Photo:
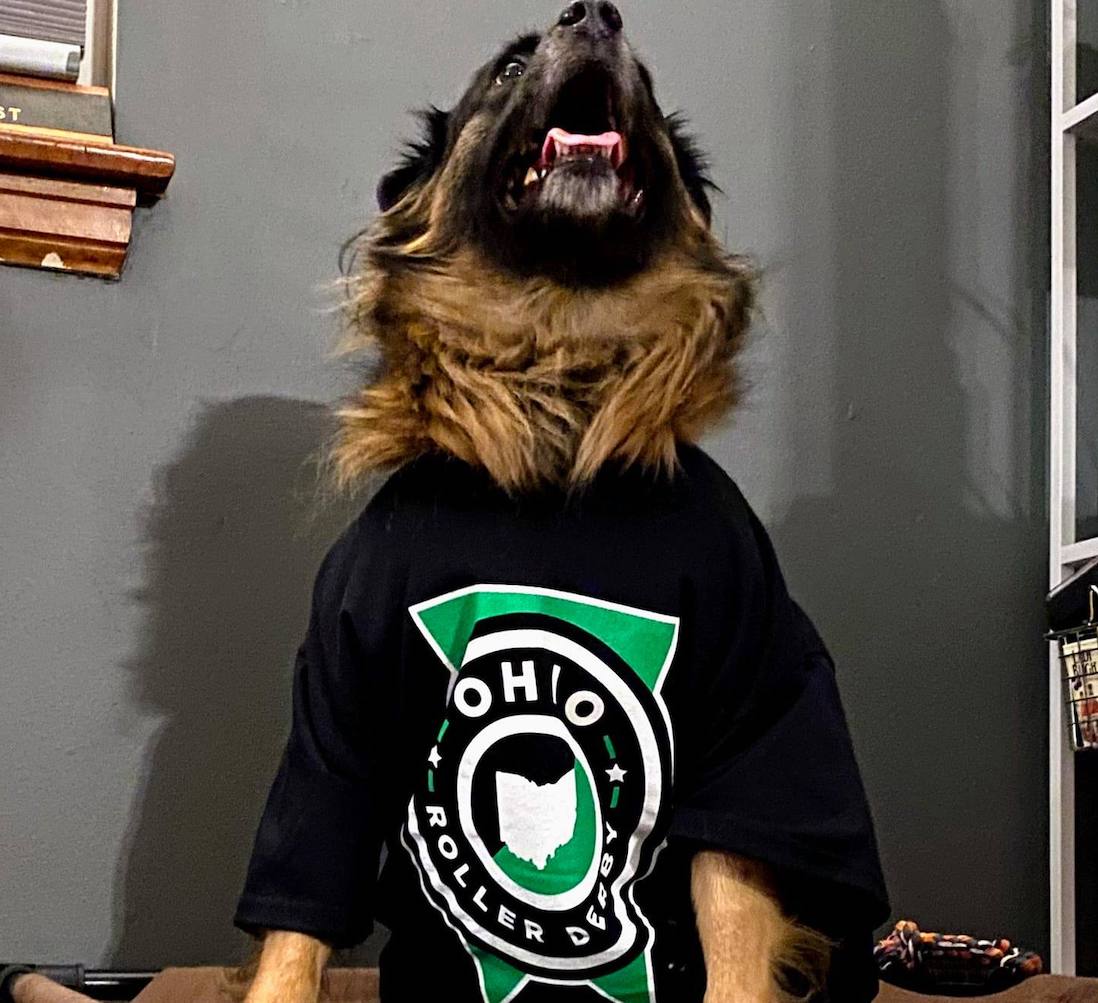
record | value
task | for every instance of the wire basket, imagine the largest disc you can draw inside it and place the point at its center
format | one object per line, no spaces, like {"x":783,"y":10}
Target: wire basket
{"x":1079,"y":658}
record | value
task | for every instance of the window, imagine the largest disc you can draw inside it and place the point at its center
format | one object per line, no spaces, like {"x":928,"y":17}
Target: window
{"x":97,"y":67}
{"x":1073,"y":476}
{"x":68,"y":186}
{"x":71,"y":40}
{"x":50,"y":20}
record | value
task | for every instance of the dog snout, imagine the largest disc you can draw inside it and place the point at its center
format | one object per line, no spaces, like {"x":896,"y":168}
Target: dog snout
{"x":598,"y":18}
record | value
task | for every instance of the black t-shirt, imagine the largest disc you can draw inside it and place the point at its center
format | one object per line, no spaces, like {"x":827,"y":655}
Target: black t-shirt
{"x":540,"y":707}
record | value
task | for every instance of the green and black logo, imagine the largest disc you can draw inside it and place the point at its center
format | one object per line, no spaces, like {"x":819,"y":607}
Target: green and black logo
{"x":544,"y":797}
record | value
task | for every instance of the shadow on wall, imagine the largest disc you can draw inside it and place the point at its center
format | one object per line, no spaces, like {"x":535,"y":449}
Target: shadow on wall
{"x":928,"y":589}
{"x":233,"y":539}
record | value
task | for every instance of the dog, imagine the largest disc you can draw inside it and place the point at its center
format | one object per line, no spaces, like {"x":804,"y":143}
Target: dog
{"x":553,"y":668}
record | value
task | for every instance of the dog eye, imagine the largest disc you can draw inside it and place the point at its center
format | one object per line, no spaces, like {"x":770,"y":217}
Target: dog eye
{"x":512,"y":71}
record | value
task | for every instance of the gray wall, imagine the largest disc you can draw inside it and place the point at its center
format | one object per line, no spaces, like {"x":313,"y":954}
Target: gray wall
{"x":159,"y":531}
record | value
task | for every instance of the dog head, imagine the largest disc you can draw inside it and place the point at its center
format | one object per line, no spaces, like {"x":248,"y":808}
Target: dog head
{"x":558,"y":158}
{"x":542,"y":282}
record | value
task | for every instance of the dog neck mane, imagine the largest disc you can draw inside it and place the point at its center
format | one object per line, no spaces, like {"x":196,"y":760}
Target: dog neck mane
{"x":537,"y":383}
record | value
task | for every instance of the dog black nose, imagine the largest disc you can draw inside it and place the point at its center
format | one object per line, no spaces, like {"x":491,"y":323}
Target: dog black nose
{"x":603,"y":15}
{"x":611,"y":16}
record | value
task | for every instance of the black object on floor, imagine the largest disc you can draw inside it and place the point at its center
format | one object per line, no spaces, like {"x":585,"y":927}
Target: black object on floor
{"x":99,"y":985}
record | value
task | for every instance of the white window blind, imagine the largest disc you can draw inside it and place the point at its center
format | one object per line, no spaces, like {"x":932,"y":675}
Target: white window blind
{"x":52,"y":20}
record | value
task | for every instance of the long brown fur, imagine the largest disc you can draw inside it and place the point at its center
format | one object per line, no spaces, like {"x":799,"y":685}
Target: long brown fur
{"x":753,"y":952}
{"x":536,"y":382}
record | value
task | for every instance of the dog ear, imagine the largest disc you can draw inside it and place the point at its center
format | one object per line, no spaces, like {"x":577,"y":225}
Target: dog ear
{"x":692,"y":163}
{"x":421,"y":158}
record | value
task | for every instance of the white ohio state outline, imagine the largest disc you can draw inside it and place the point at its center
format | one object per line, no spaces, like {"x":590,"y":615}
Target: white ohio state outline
{"x":533,"y":724}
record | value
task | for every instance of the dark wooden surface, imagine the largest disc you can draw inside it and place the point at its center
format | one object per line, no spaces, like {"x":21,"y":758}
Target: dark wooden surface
{"x":146,"y":171}
{"x":1042,"y":989}
{"x":360,"y":985}
{"x":65,"y":225}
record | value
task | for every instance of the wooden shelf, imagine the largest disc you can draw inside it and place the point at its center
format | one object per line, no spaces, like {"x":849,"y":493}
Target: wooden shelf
{"x":67,"y":201}
{"x":65,"y":225}
{"x":146,"y":171}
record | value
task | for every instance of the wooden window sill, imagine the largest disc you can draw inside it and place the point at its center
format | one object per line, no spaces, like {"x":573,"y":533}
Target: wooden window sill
{"x":66,"y":201}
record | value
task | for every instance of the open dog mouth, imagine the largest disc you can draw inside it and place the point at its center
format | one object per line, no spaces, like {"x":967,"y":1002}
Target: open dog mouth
{"x":581,"y":142}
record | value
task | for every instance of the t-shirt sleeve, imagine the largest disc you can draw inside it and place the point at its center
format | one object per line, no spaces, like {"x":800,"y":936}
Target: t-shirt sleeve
{"x":314,"y":864}
{"x":776,"y":778}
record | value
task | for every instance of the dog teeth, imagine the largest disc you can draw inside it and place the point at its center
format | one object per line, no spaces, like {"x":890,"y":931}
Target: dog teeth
{"x":564,"y":150}
{"x":532,"y":177}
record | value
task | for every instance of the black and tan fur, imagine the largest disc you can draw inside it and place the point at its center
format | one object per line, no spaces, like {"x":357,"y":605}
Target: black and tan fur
{"x":542,"y":346}
{"x":538,"y":379}
{"x":536,"y":382}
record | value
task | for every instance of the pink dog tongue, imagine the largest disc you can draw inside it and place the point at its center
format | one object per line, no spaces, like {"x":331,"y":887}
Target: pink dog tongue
{"x":560,"y":143}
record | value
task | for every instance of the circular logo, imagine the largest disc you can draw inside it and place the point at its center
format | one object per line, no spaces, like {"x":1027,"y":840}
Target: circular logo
{"x":542,"y":798}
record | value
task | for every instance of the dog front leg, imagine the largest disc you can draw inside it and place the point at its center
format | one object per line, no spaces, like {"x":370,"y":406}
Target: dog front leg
{"x":290,"y":968}
{"x":751,"y":949}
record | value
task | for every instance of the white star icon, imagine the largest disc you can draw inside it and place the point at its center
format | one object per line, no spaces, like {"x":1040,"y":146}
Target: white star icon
{"x":434,"y":758}
{"x":616,"y":774}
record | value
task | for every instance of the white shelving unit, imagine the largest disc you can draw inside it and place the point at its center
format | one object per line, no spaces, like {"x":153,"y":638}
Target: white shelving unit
{"x":1074,"y":116}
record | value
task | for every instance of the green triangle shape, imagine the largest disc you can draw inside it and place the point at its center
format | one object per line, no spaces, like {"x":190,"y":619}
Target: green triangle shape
{"x":502,"y":982}
{"x":629,"y":984}
{"x":499,"y":979}
{"x":642,"y":640}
